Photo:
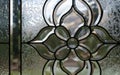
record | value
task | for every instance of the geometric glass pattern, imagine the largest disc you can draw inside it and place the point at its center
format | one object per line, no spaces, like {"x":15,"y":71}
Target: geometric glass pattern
{"x":73,"y":41}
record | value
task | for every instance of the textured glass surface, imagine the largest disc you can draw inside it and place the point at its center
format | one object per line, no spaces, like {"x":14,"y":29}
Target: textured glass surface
{"x":74,"y":37}
{"x":4,"y":59}
{"x":32,"y":63}
{"x":111,"y":17}
{"x":32,"y":20}
{"x":4,"y":20}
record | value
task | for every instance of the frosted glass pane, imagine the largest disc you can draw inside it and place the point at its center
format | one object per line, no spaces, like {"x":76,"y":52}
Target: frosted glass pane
{"x":32,"y":20}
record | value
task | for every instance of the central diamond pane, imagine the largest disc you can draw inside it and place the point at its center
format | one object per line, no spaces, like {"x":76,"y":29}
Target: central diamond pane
{"x":72,"y":43}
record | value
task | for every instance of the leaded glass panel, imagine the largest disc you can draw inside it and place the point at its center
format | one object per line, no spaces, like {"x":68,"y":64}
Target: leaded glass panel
{"x":75,"y":37}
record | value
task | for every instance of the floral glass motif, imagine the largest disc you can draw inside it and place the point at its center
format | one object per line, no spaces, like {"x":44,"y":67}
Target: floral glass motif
{"x":73,"y":41}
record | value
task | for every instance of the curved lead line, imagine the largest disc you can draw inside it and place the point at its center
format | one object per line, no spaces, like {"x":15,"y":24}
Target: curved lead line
{"x":100,"y":12}
{"x":48,"y":9}
{"x":43,"y":70}
{"x":63,"y":16}
{"x":63,"y":7}
{"x":92,"y":12}
{"x":77,"y":11}
{"x":63,"y":69}
{"x":46,"y":64}
{"x":43,"y":13}
{"x":97,"y":65}
{"x":89,"y":9}
{"x":89,"y":67}
{"x":110,"y":49}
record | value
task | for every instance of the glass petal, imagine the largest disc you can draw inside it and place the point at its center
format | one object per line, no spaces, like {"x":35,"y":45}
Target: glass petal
{"x":86,"y":70}
{"x":62,"y":8}
{"x":62,"y":33}
{"x":53,"y":43}
{"x":43,"y":34}
{"x":82,"y":53}
{"x":43,"y":51}
{"x":102,"y":34}
{"x":102,"y":52}
{"x":88,"y":43}
{"x":72,"y":64}
{"x":62,"y":53}
{"x":72,"y":21}
{"x":82,"y":32}
{"x":48,"y":68}
{"x":48,"y":11}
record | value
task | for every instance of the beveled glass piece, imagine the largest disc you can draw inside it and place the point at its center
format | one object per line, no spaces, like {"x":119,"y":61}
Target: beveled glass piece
{"x":62,"y":53}
{"x":53,"y":43}
{"x":82,"y":53}
{"x":72,"y":21}
{"x":92,"y":43}
{"x":43,"y":51}
{"x":72,"y":64}
{"x":72,"y":43}
{"x":62,"y":33}
{"x":82,"y":33}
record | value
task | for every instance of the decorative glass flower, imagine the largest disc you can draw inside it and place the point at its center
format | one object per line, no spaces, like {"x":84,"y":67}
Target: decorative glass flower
{"x":74,"y":47}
